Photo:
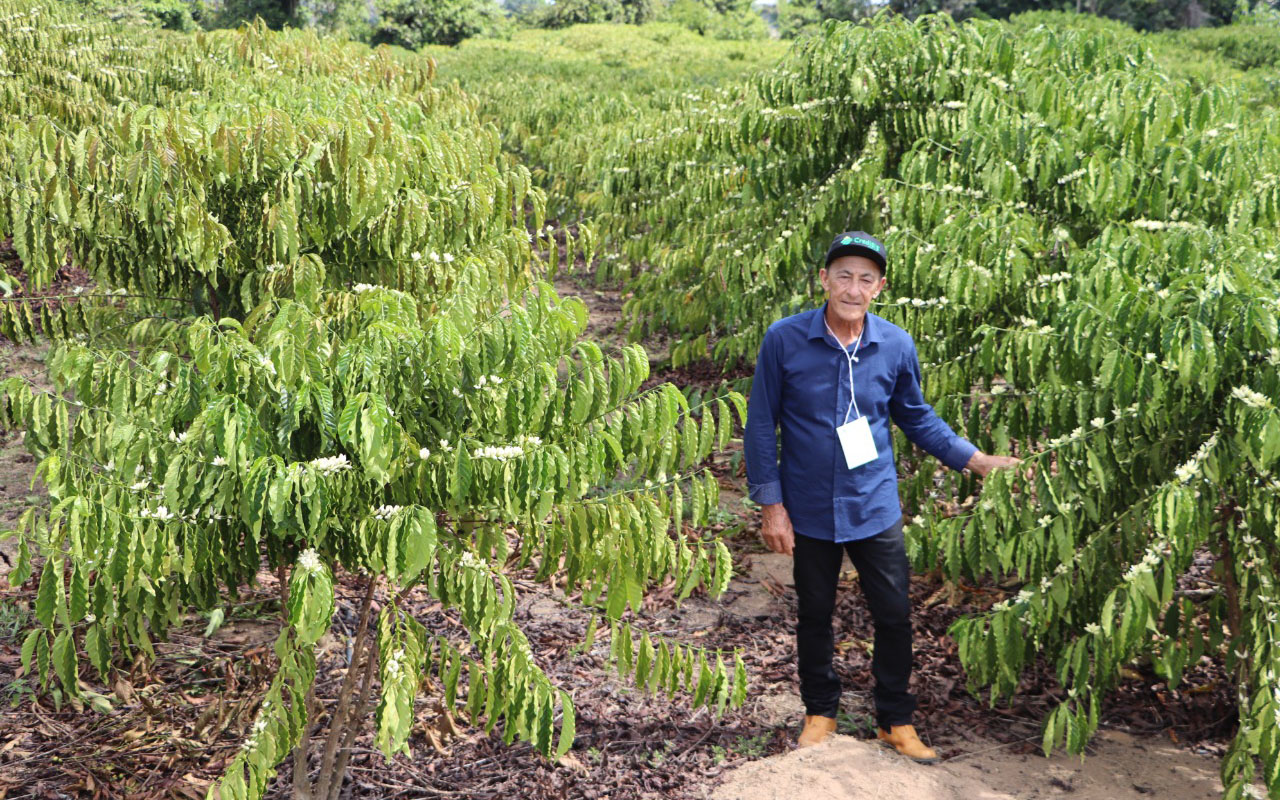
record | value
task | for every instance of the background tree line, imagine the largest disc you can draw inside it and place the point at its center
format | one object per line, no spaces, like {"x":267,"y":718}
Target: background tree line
{"x":414,"y":23}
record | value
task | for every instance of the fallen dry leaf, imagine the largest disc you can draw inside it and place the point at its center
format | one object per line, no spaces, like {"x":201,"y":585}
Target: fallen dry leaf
{"x":570,"y":762}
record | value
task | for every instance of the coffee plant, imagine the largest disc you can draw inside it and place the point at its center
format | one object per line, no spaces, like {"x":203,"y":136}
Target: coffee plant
{"x":316,"y":345}
{"x":566,"y":99}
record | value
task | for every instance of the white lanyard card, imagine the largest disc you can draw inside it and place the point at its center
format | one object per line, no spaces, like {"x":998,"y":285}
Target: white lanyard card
{"x":856,"y":441}
{"x":855,"y":437}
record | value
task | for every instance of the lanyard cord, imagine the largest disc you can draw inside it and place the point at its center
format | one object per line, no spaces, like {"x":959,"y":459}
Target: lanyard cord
{"x":853,"y":400}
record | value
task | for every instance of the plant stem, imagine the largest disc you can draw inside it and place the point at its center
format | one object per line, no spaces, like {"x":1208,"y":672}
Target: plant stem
{"x":340,"y":715}
{"x":213,"y":298}
{"x":283,"y":579}
{"x":1232,"y":591}
{"x":352,"y":728}
{"x":301,"y":783}
{"x":301,"y":786}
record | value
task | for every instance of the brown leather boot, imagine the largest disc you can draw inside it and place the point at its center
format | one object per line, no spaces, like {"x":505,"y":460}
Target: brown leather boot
{"x":817,"y":729}
{"x":905,"y":741}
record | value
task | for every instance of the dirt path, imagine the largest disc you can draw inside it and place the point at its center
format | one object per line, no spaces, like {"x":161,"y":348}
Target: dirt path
{"x":850,"y":769}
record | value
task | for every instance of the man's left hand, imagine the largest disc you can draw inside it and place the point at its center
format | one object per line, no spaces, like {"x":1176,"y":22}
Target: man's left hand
{"x":982,"y":463}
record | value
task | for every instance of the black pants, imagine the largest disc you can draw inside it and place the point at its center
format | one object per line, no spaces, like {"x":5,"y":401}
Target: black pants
{"x":881,"y":562}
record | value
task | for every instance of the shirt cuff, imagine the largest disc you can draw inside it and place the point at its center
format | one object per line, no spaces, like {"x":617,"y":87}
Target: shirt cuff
{"x":959,"y":454}
{"x":766,"y":494}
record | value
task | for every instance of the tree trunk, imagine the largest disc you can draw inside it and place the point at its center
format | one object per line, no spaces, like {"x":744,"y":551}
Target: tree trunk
{"x":362,"y":655}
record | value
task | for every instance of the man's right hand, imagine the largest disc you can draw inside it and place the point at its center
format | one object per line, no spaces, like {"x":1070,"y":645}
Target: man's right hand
{"x":776,"y":529}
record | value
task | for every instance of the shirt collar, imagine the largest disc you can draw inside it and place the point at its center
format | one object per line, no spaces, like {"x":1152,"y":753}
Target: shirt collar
{"x":871,"y":326}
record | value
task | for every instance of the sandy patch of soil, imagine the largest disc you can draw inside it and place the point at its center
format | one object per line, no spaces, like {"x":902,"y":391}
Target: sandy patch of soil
{"x":1120,"y":768}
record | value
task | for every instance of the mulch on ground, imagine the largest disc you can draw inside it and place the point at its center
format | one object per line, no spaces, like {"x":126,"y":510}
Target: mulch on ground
{"x":66,"y":281}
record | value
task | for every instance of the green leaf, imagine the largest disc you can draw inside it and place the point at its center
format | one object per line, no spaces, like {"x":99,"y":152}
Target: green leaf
{"x":367,"y":427}
{"x":64,"y":662}
{"x":47,"y":594}
{"x":567,"y":725}
{"x":98,"y":650}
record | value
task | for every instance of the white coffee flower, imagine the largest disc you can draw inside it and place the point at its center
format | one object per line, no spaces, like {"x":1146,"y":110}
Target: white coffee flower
{"x":309,"y":561}
{"x":331,"y":464}
{"x":424,"y":453}
{"x":1186,"y":472}
{"x":1251,"y":398}
{"x":416,"y":256}
{"x":386,"y":512}
{"x":395,"y":663}
{"x":219,"y":461}
{"x":498,"y":453}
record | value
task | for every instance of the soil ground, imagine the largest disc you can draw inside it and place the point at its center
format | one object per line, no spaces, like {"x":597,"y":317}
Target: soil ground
{"x":168,"y":727}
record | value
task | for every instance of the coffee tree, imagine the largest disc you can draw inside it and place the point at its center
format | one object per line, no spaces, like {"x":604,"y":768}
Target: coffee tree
{"x":316,"y":346}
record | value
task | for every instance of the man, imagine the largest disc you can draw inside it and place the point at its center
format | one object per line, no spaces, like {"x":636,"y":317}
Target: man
{"x":831,"y":378}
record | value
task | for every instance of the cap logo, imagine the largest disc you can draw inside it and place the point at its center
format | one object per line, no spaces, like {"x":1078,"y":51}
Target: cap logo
{"x":865,"y":243}
{"x":847,"y":240}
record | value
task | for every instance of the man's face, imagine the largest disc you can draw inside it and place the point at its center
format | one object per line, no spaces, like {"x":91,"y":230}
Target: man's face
{"x":852,"y":282}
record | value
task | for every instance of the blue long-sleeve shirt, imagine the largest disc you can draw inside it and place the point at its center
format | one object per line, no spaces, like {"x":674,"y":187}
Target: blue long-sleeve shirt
{"x":801,"y":387}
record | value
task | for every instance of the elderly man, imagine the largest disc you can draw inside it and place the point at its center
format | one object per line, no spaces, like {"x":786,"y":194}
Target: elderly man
{"x":831,"y":378}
